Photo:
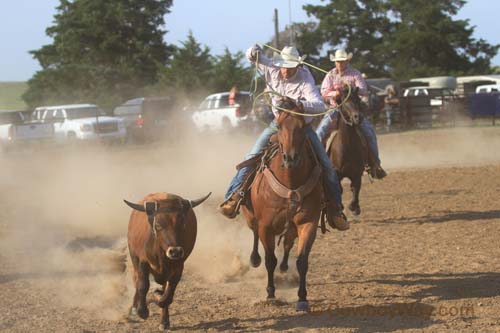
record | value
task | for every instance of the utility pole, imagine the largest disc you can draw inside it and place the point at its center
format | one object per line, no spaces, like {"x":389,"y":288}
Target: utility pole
{"x":290,"y":21}
{"x":276,"y":29}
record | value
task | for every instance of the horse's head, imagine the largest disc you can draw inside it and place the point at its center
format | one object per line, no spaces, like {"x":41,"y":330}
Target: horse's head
{"x":350,"y":106}
{"x":291,"y":133}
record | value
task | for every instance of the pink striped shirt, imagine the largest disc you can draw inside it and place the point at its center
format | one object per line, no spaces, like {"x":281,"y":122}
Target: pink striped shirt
{"x":353,"y":77}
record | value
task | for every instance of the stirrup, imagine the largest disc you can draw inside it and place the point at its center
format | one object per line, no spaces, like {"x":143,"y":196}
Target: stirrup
{"x":237,"y":198}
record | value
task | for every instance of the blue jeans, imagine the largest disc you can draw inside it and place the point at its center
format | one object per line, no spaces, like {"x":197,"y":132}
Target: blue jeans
{"x":332,"y":181}
{"x":325,"y":128}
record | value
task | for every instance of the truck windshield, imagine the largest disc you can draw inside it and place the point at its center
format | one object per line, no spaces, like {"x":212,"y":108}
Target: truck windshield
{"x":86,"y":112}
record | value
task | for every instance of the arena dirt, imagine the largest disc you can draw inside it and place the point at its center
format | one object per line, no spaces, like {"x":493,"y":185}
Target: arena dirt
{"x":422,"y":256}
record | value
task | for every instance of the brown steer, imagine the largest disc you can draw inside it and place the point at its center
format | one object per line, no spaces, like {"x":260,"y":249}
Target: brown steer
{"x":161,"y":235}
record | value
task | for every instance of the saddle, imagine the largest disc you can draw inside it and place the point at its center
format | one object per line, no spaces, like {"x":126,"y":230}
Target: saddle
{"x":259,"y":163}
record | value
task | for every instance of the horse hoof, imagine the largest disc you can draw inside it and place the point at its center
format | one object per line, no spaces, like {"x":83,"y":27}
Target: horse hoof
{"x":164,"y":326}
{"x":356,"y":210}
{"x":143,"y":313}
{"x":270,"y":292}
{"x":255,"y":260}
{"x":283,"y":267}
{"x":133,"y":315}
{"x":302,"y":306}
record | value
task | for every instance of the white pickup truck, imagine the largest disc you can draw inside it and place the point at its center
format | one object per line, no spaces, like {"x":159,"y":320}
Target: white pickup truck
{"x":215,"y":113}
{"x":81,"y":122}
{"x":16,"y":130}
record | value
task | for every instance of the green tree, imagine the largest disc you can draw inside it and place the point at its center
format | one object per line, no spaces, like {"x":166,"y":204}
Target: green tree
{"x":102,"y":51}
{"x":358,"y":26}
{"x":191,"y":69}
{"x":428,"y":41}
{"x":402,"y":39}
{"x":228,"y":71}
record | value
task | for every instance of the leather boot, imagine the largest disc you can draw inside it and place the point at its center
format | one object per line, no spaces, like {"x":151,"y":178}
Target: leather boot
{"x":336,"y":218}
{"x":230,"y":207}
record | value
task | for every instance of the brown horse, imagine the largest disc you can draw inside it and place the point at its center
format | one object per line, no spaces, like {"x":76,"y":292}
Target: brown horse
{"x":161,"y":236}
{"x":347,"y":151}
{"x":286,"y":199}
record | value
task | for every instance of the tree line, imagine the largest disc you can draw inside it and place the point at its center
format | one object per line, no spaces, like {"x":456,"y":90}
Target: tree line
{"x":109,"y":51}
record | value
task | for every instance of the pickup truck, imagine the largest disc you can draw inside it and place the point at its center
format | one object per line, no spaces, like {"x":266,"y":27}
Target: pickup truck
{"x":436,"y":95}
{"x":81,"y":122}
{"x":216,"y":113}
{"x":16,"y":130}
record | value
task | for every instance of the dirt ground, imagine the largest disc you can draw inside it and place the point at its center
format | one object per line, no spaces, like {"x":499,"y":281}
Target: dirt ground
{"x":423,"y":256}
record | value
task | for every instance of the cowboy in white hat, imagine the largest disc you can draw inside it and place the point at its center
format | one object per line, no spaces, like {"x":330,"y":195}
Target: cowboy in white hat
{"x":337,"y":78}
{"x":285,"y":76}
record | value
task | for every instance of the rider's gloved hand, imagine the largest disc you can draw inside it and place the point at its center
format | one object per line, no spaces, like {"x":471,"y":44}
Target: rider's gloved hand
{"x":330,"y":96}
{"x":255,"y":49}
{"x":300,"y":106}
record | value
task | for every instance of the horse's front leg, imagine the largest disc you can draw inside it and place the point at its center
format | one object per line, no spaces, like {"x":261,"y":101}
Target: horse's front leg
{"x":355,"y":188}
{"x":268,"y":239}
{"x":255,"y":259}
{"x":168,"y":296}
{"x":307,"y":235}
{"x":289,"y":238}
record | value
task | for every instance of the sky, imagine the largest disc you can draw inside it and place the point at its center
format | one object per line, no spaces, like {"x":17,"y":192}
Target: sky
{"x":234,"y":24}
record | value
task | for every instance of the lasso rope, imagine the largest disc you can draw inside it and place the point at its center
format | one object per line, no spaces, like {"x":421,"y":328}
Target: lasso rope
{"x":268,"y":93}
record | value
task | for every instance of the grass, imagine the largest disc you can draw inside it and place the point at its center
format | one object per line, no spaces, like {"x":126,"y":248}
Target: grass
{"x":10,"y":95}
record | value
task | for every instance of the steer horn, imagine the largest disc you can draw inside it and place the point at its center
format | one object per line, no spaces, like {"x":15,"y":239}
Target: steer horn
{"x":135,"y":206}
{"x":150,"y":207}
{"x":194,"y":203}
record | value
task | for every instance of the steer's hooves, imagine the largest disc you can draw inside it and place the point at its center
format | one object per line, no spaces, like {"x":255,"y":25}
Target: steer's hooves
{"x":302,"y":306}
{"x":255,"y":259}
{"x":164,"y":326}
{"x":284,"y":267}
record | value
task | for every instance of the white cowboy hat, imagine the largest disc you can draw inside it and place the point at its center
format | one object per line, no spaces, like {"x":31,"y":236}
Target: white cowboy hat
{"x":340,"y":55}
{"x":289,"y":58}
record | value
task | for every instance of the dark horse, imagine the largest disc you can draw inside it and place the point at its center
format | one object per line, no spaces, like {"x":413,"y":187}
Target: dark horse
{"x":347,"y":150}
{"x":286,"y":199}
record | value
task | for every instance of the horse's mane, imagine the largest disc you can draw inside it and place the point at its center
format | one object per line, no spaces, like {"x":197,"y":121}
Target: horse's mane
{"x":288,"y":104}
{"x":353,"y":97}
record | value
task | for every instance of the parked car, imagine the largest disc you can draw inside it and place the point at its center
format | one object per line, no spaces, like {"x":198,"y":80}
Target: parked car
{"x":216,"y":113}
{"x":16,"y":129}
{"x":488,"y":88}
{"x":80,"y":122}
{"x":150,"y":118}
{"x":436,"y":94}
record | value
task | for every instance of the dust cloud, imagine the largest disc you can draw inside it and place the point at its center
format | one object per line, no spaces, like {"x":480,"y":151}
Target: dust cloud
{"x":452,"y":147}
{"x":62,"y":215}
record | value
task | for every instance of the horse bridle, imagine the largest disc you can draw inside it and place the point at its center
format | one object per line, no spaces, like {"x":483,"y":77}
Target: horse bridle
{"x":348,"y":122}
{"x":279,"y":143}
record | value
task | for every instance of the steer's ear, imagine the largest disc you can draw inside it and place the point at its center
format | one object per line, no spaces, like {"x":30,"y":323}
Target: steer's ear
{"x":134,"y":206}
{"x":194,"y":203}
